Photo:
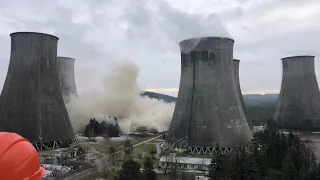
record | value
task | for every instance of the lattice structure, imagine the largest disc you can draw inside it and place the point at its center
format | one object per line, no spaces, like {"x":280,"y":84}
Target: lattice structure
{"x":40,"y":146}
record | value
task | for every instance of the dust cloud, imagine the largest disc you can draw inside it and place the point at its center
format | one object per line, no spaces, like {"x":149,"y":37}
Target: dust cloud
{"x":120,"y":98}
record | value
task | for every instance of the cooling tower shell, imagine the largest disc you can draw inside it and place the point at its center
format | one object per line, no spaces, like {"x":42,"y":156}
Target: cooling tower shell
{"x":299,"y":98}
{"x":236,"y":64}
{"x":31,"y":100}
{"x":208,"y":108}
{"x":67,"y":78}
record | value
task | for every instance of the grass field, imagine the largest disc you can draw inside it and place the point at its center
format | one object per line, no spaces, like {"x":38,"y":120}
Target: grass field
{"x":103,"y":146}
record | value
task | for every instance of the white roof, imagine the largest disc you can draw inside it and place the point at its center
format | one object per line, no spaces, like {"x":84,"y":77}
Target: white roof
{"x":185,"y":160}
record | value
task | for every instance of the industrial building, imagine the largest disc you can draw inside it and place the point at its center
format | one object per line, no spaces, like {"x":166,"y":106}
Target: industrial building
{"x":67,"y":78}
{"x":187,"y":164}
{"x":208,"y":109}
{"x":236,"y":64}
{"x":298,"y":105}
{"x":31,"y":100}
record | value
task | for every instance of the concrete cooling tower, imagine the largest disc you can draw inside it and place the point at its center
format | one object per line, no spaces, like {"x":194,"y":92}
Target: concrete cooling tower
{"x":236,"y":64}
{"x":208,"y":109}
{"x":67,"y":78}
{"x":31,"y":100}
{"x":298,"y":105}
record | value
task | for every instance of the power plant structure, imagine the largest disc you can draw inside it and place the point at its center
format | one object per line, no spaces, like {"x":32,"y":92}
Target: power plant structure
{"x":208,"y":109}
{"x":31,"y":100}
{"x":236,"y":64}
{"x":67,"y":78}
{"x":298,"y":105}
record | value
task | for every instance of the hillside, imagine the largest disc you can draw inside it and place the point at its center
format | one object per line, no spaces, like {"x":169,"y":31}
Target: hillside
{"x":249,"y":99}
{"x":259,"y":107}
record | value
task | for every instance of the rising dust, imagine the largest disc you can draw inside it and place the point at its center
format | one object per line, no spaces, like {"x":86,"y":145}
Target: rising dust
{"x":120,"y":98}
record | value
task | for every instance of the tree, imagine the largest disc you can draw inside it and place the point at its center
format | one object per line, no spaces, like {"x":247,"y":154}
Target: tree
{"x":149,"y":173}
{"x":289,"y":170}
{"x":142,"y":129}
{"x":128,"y":148}
{"x":81,"y":153}
{"x":112,"y":150}
{"x":215,"y":164}
{"x":102,"y":166}
{"x":238,"y":165}
{"x":153,"y":131}
{"x":130,"y":170}
{"x":112,"y":131}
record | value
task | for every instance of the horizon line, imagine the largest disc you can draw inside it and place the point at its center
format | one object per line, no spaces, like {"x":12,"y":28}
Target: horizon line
{"x":175,"y":91}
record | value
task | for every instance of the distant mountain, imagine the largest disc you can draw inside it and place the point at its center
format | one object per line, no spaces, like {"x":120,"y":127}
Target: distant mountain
{"x":159,"y":96}
{"x":260,"y":100}
{"x":259,"y":107}
{"x":249,"y":99}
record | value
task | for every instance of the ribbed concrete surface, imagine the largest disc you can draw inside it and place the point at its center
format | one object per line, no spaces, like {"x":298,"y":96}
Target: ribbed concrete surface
{"x":67,"y":78}
{"x":236,"y":64}
{"x":208,"y":108}
{"x":31,"y":100}
{"x":299,"y":97}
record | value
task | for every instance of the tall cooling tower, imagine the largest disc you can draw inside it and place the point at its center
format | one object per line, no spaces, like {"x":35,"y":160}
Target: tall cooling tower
{"x":67,"y":78}
{"x":208,"y":109}
{"x":298,"y":105}
{"x":236,"y":64}
{"x":31,"y":100}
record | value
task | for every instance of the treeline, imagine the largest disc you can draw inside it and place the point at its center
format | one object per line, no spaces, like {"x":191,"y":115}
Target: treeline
{"x":94,"y":128}
{"x":272,"y":155}
{"x":260,"y":114}
{"x":144,"y":130}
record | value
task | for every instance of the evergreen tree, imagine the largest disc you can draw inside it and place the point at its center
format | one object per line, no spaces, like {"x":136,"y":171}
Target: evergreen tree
{"x":289,"y":170}
{"x":149,"y":173}
{"x":238,"y":166}
{"x":130,"y":170}
{"x":128,"y":148}
{"x":215,"y":164}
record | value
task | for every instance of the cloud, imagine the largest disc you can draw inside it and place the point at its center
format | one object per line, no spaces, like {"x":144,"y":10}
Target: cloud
{"x":97,"y":33}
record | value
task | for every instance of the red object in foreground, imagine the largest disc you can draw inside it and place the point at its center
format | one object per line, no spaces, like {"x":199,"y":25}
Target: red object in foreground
{"x":18,"y":158}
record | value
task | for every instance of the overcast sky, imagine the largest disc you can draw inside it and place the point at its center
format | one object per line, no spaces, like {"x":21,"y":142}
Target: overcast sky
{"x":147,"y":32}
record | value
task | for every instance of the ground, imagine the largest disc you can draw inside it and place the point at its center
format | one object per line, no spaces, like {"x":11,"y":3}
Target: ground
{"x":101,"y":148}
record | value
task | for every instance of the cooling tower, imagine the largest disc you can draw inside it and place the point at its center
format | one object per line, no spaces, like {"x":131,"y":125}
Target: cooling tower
{"x":236,"y":63}
{"x":298,"y":105}
{"x":67,"y":78}
{"x":208,"y":109}
{"x":31,"y":100}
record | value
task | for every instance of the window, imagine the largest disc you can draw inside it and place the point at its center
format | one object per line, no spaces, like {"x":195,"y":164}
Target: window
{"x":192,"y":166}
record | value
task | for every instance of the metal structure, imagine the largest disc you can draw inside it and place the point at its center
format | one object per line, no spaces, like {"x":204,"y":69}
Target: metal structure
{"x":31,"y":100}
{"x":67,"y":78}
{"x":208,"y":109}
{"x":236,"y":63}
{"x":298,"y":105}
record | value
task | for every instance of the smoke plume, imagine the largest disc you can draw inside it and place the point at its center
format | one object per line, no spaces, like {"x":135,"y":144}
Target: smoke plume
{"x":120,"y":98}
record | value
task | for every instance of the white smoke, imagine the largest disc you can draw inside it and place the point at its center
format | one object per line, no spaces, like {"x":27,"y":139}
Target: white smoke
{"x":120,"y":98}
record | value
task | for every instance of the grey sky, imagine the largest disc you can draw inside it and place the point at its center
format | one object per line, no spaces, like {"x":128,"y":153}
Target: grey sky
{"x":147,"y":32}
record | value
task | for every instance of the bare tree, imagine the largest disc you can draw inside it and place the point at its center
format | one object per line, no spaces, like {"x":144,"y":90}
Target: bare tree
{"x":176,"y":166}
{"x":102,"y":166}
{"x":112,"y":150}
{"x":202,"y":168}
